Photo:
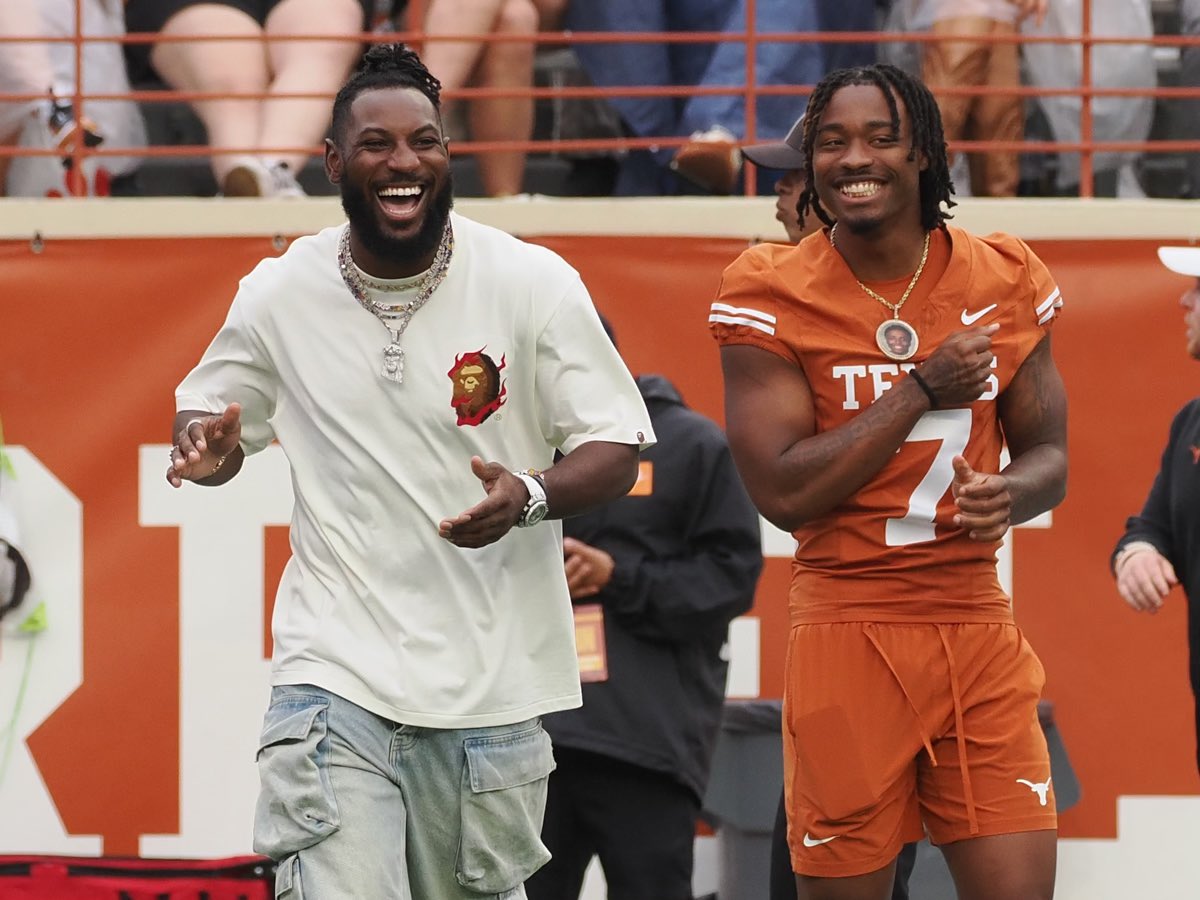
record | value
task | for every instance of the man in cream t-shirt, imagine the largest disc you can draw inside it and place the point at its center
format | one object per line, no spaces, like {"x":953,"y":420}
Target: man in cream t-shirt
{"x":421,"y":371}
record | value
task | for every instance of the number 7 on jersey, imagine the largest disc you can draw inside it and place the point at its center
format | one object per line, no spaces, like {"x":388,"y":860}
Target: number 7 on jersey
{"x":952,"y":429}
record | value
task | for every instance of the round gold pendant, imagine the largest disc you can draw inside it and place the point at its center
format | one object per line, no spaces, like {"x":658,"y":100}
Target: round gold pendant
{"x":897,"y":339}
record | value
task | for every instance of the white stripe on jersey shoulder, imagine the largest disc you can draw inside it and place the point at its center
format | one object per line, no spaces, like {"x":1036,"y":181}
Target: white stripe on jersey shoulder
{"x":744,"y":311}
{"x":1056,"y":294}
{"x":1047,"y":309}
{"x":742,"y":320}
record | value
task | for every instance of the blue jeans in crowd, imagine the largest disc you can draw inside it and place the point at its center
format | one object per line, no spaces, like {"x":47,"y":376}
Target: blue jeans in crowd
{"x":847,"y":15}
{"x":706,"y":65}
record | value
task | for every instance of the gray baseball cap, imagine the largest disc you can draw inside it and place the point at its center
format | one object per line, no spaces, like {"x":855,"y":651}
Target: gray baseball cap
{"x":785,"y":154}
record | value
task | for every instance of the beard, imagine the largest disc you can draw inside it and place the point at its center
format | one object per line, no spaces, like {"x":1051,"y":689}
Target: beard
{"x":861,"y":226}
{"x":363,"y":218}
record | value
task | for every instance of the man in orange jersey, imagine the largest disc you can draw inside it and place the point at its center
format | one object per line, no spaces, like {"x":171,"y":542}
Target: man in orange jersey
{"x":787,"y":156}
{"x":910,"y":697}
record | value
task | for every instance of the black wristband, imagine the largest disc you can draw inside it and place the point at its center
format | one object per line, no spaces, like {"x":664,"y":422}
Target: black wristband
{"x":916,"y":376}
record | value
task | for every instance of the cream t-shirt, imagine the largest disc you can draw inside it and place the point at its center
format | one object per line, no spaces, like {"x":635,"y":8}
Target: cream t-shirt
{"x":507,"y":361}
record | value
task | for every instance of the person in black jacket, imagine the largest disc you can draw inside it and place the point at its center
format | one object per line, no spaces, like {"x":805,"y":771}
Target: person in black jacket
{"x":667,"y":568}
{"x":1161,"y":547}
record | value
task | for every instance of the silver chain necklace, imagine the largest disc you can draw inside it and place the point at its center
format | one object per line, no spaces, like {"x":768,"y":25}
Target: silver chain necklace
{"x":395,"y":317}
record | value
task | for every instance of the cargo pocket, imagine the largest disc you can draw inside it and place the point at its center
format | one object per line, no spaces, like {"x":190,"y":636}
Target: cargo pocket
{"x":296,"y":806}
{"x":503,"y":801}
{"x":287,"y":880}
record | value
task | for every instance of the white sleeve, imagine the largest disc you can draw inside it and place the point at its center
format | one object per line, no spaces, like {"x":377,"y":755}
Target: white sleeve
{"x":235,"y":368}
{"x":584,"y":389}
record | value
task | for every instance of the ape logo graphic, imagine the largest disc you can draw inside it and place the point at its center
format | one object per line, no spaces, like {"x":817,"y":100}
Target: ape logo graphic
{"x":478,"y":388}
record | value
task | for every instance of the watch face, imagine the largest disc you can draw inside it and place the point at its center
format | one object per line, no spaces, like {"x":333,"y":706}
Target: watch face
{"x":534,"y":513}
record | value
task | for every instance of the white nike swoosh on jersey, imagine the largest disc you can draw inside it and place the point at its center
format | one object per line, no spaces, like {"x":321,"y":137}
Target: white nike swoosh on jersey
{"x":972,"y":318}
{"x":810,"y":841}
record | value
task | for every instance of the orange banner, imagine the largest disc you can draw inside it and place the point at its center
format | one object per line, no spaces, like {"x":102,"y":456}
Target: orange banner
{"x":94,"y":334}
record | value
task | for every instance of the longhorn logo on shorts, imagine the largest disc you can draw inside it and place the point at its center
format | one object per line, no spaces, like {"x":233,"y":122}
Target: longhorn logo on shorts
{"x":1041,"y":789}
{"x":478,"y":388}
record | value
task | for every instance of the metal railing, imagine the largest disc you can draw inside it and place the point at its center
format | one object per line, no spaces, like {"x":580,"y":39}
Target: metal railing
{"x":1086,"y":146}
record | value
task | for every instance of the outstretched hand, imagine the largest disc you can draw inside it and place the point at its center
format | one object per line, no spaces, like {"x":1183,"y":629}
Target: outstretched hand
{"x":984,"y":504}
{"x":495,"y":515}
{"x":203,"y":443}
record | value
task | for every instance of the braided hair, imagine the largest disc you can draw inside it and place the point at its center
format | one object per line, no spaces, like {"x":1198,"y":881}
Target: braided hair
{"x":925,"y":121}
{"x":384,"y":66}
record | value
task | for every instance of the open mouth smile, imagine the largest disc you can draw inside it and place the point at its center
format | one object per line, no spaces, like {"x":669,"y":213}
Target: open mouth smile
{"x":856,"y":190}
{"x":400,"y":202}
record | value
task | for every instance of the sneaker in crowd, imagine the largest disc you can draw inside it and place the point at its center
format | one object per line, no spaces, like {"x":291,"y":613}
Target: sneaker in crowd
{"x":283,"y":182}
{"x":54,"y":126}
{"x":710,"y":160}
{"x":251,"y":178}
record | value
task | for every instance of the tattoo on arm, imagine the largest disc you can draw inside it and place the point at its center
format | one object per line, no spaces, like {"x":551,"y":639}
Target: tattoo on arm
{"x":1034,"y":415}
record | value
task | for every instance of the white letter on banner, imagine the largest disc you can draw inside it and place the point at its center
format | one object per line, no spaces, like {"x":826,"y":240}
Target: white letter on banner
{"x":224,"y":681}
{"x":1004,"y":553}
{"x":41,"y":654}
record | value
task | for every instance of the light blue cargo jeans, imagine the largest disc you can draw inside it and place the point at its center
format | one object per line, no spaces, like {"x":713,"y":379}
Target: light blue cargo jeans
{"x":353,"y":805}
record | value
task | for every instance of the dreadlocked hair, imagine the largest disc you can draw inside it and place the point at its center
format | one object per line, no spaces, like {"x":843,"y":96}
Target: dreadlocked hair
{"x":925,"y":121}
{"x":384,"y":66}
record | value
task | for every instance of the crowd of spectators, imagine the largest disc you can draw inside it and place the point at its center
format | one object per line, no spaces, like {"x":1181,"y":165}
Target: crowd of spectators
{"x":272,"y":48}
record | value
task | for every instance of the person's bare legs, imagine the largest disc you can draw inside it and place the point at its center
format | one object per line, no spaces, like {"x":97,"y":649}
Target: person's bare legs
{"x":501,"y":65}
{"x":506,"y":65}
{"x":453,"y":62}
{"x":1017,"y":866}
{"x":875,"y":885}
{"x":227,"y":67}
{"x":307,"y":67}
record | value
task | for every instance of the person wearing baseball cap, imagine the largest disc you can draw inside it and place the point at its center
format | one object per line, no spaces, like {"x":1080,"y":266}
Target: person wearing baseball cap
{"x":787,"y":156}
{"x":1161,"y":546}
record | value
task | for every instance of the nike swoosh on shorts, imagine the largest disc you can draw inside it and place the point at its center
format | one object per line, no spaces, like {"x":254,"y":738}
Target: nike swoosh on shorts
{"x":810,"y":841}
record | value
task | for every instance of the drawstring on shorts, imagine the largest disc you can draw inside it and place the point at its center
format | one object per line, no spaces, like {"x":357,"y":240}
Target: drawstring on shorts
{"x":956,"y":697}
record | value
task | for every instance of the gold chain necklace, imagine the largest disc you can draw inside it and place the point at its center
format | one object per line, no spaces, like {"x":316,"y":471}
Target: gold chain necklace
{"x":895,"y":337}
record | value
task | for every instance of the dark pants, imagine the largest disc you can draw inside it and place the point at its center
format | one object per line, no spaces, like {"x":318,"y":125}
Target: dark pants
{"x":847,"y":15}
{"x":640,"y":823}
{"x":783,"y":879}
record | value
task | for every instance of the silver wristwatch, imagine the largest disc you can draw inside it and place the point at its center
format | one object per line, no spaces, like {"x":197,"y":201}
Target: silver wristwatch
{"x":537,"y":508}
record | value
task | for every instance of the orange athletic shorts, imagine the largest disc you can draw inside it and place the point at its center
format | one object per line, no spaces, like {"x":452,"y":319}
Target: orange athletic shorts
{"x":888,"y":726}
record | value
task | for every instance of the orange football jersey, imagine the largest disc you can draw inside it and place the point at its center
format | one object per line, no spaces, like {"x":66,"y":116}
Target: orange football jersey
{"x":891,"y":551}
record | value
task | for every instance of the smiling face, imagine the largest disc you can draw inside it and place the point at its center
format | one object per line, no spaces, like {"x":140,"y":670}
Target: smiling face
{"x":897,"y":340}
{"x":393,"y":170}
{"x":861,"y":164}
{"x":1190,"y":301}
